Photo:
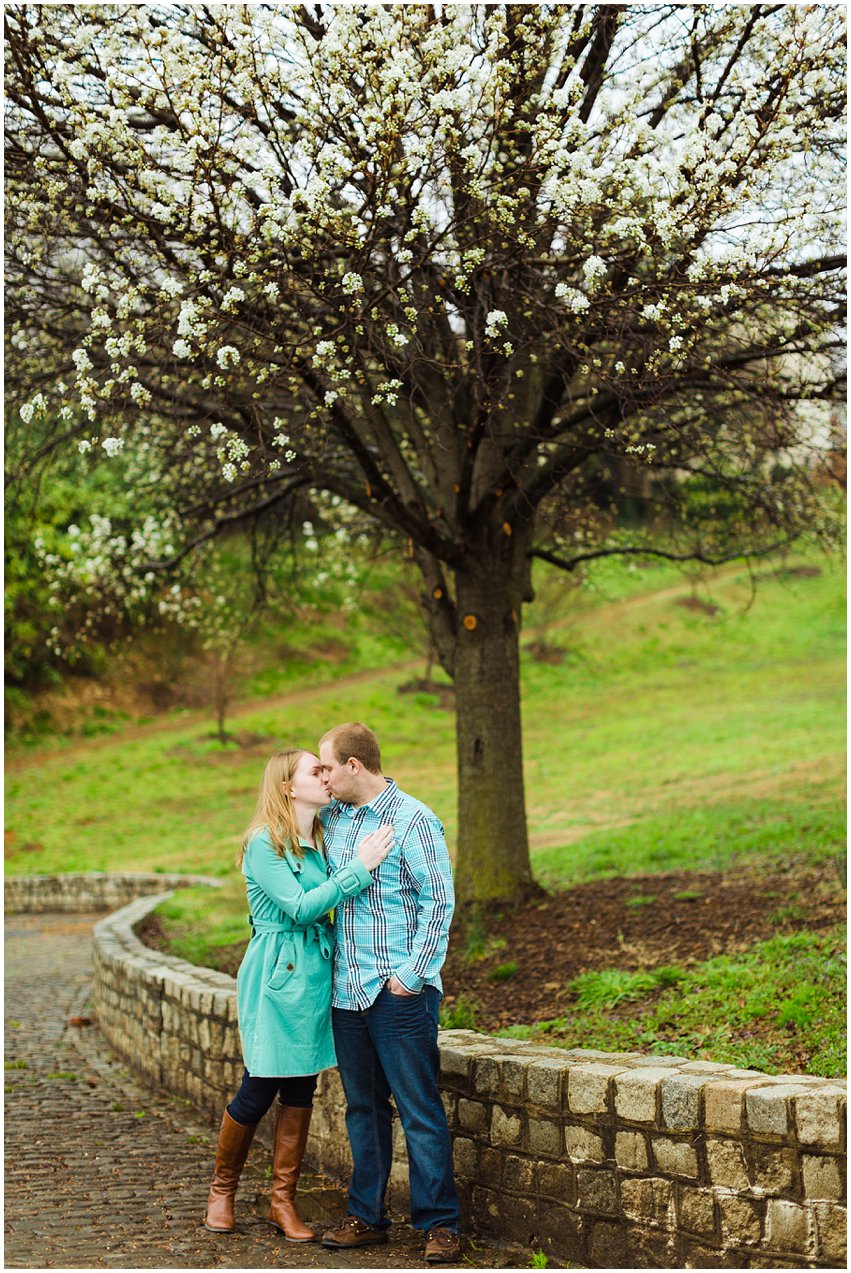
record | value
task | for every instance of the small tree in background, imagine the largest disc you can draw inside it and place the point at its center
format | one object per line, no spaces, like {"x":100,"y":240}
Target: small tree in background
{"x":451,"y":265}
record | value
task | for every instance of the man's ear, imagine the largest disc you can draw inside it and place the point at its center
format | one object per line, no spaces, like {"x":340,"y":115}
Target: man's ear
{"x":354,"y":764}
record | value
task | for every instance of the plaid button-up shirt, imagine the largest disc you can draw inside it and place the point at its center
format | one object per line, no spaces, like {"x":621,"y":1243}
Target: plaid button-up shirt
{"x":400,"y":924}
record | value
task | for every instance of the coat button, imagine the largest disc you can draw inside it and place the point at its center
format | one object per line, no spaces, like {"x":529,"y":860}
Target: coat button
{"x":290,"y":967}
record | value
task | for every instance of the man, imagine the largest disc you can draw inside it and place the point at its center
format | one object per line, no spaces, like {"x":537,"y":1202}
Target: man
{"x":391,"y":944}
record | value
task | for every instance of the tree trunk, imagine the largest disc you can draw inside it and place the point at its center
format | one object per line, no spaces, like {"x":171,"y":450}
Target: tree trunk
{"x":222,"y":665}
{"x":493,"y":848}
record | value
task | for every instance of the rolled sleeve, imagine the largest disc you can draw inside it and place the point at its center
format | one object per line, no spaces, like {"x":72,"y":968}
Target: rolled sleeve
{"x":427,"y":859}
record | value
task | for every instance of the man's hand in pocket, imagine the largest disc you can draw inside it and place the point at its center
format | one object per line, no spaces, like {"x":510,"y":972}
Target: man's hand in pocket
{"x":395,"y":987}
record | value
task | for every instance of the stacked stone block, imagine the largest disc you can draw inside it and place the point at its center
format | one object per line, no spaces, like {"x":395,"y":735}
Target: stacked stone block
{"x":80,"y":891}
{"x":627,"y":1160}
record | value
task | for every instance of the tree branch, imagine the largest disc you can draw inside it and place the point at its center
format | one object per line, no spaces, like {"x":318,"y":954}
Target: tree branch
{"x":571,"y":563}
{"x":225,"y":521}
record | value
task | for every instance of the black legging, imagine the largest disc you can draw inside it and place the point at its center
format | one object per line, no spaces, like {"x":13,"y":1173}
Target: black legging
{"x":255,"y":1096}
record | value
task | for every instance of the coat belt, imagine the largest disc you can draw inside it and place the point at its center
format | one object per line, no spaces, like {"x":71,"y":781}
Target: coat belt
{"x":317,"y":932}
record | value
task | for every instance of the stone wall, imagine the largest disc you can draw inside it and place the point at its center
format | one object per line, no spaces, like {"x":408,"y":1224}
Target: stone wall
{"x":602,"y":1160}
{"x":625,"y":1161}
{"x":175,"y":1022}
{"x":89,"y":890}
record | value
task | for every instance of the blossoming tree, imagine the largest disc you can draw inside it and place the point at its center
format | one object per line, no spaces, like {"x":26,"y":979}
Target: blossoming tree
{"x":444,"y":264}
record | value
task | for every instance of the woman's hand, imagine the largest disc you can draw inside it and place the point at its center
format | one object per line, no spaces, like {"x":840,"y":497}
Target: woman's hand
{"x":373,"y":848}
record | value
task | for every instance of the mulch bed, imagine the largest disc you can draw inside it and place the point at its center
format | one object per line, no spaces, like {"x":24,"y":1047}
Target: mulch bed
{"x":594,"y":926}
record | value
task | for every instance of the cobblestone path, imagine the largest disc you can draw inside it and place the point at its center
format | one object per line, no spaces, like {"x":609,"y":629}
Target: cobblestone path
{"x":101,"y":1172}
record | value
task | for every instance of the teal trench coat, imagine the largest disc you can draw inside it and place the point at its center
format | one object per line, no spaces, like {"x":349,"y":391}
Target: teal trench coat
{"x":284,"y":980}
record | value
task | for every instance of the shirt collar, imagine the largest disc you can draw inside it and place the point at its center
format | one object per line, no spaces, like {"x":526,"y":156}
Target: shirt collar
{"x":379,"y":804}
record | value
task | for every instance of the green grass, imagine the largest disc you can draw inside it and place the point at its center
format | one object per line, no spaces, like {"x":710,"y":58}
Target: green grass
{"x":460,"y":1015}
{"x":477,"y":943}
{"x":710,"y":837}
{"x":225,"y":913}
{"x":668,"y":722}
{"x":763,"y":1008}
{"x":503,"y":972}
{"x":608,"y":987}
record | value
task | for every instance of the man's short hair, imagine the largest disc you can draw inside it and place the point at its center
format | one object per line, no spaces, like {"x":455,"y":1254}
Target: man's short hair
{"x":354,"y":740}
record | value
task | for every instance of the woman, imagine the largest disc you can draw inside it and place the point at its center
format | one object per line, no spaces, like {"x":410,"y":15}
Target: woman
{"x":284,"y":980}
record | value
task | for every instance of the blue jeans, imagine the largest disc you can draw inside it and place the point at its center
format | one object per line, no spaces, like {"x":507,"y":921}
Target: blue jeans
{"x":391,"y":1047}
{"x":255,"y":1096}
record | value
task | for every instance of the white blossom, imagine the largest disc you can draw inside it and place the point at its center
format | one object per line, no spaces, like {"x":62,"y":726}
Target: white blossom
{"x":140,"y":395}
{"x":227,"y":356}
{"x":396,"y":336}
{"x":91,"y":276}
{"x":575,"y":300}
{"x":324,"y":351}
{"x":233,"y":296}
{"x":27,"y":411}
{"x":496,"y":320}
{"x":594,"y":270}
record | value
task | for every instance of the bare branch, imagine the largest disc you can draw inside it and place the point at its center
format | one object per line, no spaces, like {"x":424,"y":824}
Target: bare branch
{"x":706,"y":559}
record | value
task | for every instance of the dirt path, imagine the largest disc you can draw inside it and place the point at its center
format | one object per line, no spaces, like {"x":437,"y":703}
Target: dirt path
{"x":201,"y":717}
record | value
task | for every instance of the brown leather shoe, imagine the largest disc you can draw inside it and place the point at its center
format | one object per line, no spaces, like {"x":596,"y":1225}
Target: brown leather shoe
{"x":353,"y":1232}
{"x":442,"y":1247}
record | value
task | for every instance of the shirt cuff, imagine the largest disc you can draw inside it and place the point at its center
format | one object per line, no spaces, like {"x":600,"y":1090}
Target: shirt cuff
{"x":409,"y":979}
{"x":353,"y":877}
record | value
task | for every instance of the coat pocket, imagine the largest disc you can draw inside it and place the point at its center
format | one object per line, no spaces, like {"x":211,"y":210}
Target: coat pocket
{"x":284,"y":968}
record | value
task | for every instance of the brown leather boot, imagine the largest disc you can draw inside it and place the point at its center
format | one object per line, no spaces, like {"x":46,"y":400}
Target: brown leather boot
{"x":234,"y":1142}
{"x":291,"y":1126}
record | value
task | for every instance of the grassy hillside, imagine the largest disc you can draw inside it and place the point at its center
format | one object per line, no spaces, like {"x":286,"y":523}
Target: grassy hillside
{"x":667,"y":736}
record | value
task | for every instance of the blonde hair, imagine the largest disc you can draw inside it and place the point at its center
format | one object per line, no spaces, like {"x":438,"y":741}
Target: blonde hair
{"x":354,"y":740}
{"x":275,"y":810}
